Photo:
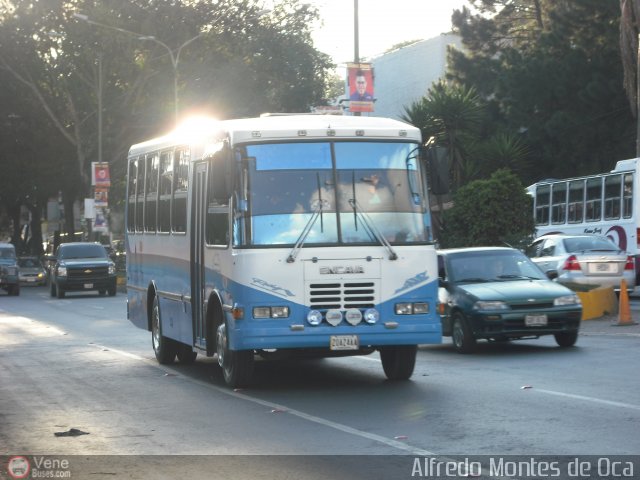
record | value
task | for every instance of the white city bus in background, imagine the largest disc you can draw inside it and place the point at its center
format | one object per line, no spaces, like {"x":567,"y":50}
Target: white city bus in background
{"x":604,"y":204}
{"x":305,"y":234}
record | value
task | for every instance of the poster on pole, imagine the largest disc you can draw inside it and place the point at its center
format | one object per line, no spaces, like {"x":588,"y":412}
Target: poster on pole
{"x":101,"y":197}
{"x":100,"y":222}
{"x":100,"y":174}
{"x":360,"y":87}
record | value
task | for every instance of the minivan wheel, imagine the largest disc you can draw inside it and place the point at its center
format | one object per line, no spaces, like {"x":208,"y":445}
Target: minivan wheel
{"x":462,"y":336}
{"x":566,"y":339}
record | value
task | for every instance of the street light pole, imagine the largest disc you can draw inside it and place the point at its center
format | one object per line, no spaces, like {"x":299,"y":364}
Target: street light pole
{"x":174,"y":57}
{"x":174,"y":62}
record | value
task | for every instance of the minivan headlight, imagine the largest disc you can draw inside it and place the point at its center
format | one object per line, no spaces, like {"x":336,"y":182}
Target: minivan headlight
{"x":567,"y":300}
{"x":490,"y":305}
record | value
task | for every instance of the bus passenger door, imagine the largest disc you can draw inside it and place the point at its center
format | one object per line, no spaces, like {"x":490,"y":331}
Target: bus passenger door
{"x":198,"y":213}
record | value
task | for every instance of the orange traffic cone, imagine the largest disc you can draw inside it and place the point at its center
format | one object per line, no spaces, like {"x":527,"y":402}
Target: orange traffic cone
{"x":624,"y":310}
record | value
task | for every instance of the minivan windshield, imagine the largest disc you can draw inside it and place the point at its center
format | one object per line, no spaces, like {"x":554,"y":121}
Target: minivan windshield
{"x":492,"y":266}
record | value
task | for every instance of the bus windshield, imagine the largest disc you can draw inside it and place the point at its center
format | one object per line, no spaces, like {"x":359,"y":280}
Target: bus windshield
{"x":340,"y":182}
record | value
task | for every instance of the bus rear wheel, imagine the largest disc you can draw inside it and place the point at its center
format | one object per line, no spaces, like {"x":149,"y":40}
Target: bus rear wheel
{"x":398,"y":362}
{"x":237,"y":365}
{"x":163,"y":347}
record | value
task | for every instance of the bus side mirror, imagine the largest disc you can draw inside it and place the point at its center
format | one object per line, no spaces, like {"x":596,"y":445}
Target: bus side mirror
{"x":222,"y":179}
{"x":437,"y":159}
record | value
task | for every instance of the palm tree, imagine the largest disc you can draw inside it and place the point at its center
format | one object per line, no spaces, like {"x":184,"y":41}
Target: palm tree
{"x":629,"y":30}
{"x":452,"y":114}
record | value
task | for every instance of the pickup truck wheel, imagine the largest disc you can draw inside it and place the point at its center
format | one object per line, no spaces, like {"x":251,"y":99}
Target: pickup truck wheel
{"x":59,"y":292}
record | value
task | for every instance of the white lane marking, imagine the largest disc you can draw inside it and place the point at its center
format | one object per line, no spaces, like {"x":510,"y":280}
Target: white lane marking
{"x":119,"y":352}
{"x":588,"y":399}
{"x":365,"y":357}
{"x":284,"y":409}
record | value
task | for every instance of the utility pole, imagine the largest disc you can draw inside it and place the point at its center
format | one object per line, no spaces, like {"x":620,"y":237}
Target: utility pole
{"x":356,"y":41}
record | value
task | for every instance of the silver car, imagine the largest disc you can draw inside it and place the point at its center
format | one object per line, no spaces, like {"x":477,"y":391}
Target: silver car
{"x":31,"y":271}
{"x":583,"y":262}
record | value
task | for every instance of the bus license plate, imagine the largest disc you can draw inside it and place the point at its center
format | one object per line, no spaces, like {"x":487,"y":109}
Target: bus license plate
{"x":88,"y":285}
{"x":344,"y":342}
{"x":535,"y":320}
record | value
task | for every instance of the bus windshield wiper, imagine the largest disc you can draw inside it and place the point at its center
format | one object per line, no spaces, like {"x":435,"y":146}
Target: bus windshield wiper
{"x":370,"y":226}
{"x":317,"y":212}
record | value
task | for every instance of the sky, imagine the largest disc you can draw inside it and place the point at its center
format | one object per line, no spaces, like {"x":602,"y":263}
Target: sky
{"x":382,"y":24}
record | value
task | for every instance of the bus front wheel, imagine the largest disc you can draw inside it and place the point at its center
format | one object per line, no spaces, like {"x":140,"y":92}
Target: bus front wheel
{"x":398,"y":362}
{"x":237,"y":365}
{"x":163,"y":347}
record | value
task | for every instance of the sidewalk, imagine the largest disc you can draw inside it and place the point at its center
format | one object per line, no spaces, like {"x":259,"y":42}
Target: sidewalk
{"x":605,"y":325}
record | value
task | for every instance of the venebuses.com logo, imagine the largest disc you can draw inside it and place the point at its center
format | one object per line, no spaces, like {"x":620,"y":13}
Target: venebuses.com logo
{"x":18,"y":467}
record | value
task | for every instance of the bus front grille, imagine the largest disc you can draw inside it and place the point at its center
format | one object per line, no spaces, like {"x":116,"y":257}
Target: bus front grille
{"x":342,"y":295}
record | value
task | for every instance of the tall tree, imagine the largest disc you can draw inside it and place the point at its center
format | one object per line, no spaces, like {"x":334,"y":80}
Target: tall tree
{"x":630,"y":52}
{"x":244,"y":62}
{"x":547,"y":76}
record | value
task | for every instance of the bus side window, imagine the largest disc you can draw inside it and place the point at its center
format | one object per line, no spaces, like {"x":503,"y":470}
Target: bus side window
{"x":559,"y":203}
{"x":151,"y":193}
{"x":164,"y":191}
{"x":594,"y":199}
{"x":180,"y":185}
{"x":217,"y":225}
{"x":576,"y":201}
{"x":131,"y":199}
{"x":542,"y":204}
{"x":140,"y":195}
{"x":627,"y":196}
{"x":612,"y":196}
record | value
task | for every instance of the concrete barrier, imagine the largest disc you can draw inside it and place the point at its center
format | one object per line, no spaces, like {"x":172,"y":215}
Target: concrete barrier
{"x":598,"y":302}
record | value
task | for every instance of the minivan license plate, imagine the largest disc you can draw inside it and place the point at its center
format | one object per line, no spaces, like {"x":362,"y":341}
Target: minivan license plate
{"x":344,"y":342}
{"x":535,"y":320}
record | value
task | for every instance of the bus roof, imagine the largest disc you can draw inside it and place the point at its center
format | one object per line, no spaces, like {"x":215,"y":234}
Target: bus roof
{"x":284,"y":127}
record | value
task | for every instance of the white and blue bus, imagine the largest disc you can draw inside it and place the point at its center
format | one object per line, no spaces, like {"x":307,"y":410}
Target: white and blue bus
{"x":604,"y":204}
{"x":288,"y":234}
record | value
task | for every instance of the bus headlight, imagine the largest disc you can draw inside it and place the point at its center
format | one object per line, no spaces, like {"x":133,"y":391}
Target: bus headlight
{"x":416,"y":308}
{"x":371,"y":316}
{"x":353,"y":316}
{"x":314,"y":317}
{"x":279,"y":312}
{"x":334,"y":317}
{"x":270,"y":312}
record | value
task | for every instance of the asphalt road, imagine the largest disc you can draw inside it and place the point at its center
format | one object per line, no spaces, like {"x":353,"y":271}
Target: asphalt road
{"x":77,"y":363}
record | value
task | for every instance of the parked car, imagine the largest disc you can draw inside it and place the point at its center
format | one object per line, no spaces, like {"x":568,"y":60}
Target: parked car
{"x":9,"y":269}
{"x":498,"y":294}
{"x":82,"y":266}
{"x":32,"y":271}
{"x":583,"y":262}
